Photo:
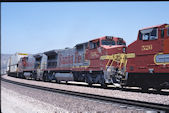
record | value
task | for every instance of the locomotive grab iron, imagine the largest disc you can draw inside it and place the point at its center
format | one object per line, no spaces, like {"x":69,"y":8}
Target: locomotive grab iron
{"x":106,"y":60}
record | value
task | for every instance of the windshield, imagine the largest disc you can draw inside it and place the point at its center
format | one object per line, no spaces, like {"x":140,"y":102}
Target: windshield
{"x":108,"y":42}
{"x":148,"y":34}
{"x":121,"y":42}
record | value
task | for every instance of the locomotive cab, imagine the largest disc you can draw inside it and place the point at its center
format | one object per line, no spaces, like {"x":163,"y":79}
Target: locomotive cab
{"x":111,"y":45}
{"x":110,"y":41}
{"x":40,"y":64}
{"x":40,"y":61}
{"x":52,"y":57}
{"x":97,"y":53}
{"x":112,"y":48}
{"x":151,"y":61}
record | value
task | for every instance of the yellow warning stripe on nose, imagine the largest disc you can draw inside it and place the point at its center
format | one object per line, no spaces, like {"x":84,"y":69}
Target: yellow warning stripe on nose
{"x":22,"y":54}
{"x":129,"y":55}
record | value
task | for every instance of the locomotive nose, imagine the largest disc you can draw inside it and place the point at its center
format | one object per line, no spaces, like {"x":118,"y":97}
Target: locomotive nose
{"x":114,"y":50}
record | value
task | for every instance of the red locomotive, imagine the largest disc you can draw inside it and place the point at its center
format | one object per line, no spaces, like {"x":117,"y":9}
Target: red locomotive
{"x":106,"y":60}
{"x":146,"y":63}
{"x":80,"y":63}
{"x":150,"y":65}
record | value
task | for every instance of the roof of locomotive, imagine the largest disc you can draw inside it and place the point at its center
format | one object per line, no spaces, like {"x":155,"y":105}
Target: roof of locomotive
{"x":81,"y":44}
{"x":154,"y":26}
{"x":104,"y":37}
{"x":38,"y":55}
{"x":51,"y":52}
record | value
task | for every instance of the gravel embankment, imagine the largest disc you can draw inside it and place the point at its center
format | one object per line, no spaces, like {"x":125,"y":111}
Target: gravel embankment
{"x":154,"y":98}
{"x":14,"y":102}
{"x":20,"y":99}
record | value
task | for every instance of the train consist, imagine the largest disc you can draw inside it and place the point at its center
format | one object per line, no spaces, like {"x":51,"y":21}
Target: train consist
{"x":106,"y":60}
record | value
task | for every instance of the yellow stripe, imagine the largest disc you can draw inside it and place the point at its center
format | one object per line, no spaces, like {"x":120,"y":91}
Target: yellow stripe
{"x":80,"y":66}
{"x":129,"y":55}
{"x":167,"y":26}
{"x":22,"y":54}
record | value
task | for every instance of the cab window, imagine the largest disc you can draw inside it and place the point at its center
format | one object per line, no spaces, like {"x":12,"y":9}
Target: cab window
{"x":148,"y":34}
{"x":140,"y":35}
{"x":108,"y":42}
{"x":168,"y":31}
{"x":120,"y":42}
{"x":93,"y":45}
{"x":79,"y":47}
{"x":153,"y":34}
{"x":162,"y":33}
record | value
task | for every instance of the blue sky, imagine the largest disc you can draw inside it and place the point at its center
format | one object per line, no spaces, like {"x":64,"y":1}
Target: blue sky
{"x":42,"y":26}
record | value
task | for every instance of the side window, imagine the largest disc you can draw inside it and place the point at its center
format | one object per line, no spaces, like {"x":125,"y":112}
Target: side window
{"x":93,"y":45}
{"x":52,"y":61}
{"x":140,"y":36}
{"x":98,"y":44}
{"x":146,"y":36}
{"x":153,"y":35}
{"x":79,"y":48}
{"x":85,"y":45}
{"x":168,"y":31}
{"x":120,"y":42}
{"x":149,"y":34}
{"x":162,"y":33}
{"x":37,"y":62}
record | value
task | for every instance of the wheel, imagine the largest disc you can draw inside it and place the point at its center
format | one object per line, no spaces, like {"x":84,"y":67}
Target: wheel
{"x":58,"y":81}
{"x":17,"y":75}
{"x":66,"y":82}
{"x":44,"y":78}
{"x":22,"y":76}
{"x":90,"y":84}
{"x":103,"y":85}
{"x":26,"y":78}
{"x":87,"y":80}
{"x":34,"y":76}
{"x":158,"y":89}
{"x":122,"y":88}
{"x":144,"y":89}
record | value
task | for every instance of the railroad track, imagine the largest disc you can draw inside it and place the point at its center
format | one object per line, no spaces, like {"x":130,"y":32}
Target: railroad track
{"x":154,"y":106}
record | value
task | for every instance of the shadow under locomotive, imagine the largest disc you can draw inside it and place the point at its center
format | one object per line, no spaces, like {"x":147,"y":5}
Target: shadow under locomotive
{"x":110,"y":87}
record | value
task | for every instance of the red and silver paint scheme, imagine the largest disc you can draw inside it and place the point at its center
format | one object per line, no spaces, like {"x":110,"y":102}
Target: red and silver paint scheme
{"x":13,"y":63}
{"x":83,"y":62}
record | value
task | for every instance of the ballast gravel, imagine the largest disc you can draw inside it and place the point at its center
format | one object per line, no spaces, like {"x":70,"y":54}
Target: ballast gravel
{"x":154,"y":98}
{"x":20,"y":99}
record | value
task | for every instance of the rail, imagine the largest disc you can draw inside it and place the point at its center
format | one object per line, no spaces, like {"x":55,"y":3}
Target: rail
{"x":154,"y":106}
